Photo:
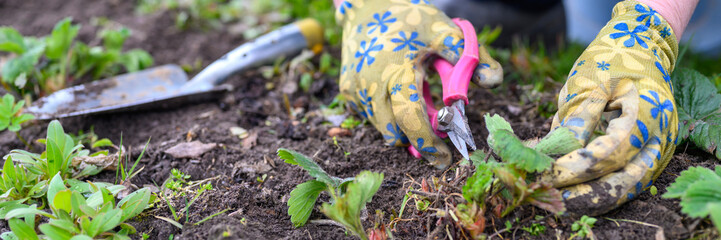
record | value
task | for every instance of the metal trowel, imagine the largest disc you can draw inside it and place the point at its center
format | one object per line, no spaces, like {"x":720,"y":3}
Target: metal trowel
{"x":168,"y":84}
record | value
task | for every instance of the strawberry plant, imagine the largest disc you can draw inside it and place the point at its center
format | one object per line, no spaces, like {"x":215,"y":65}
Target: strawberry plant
{"x":698,"y":189}
{"x":73,"y":215}
{"x":40,"y":66}
{"x":520,"y":160}
{"x":349,"y":196}
{"x":582,"y":227}
{"x":699,"y":113}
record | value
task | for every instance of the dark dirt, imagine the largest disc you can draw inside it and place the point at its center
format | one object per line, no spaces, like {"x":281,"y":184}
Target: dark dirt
{"x":258,"y":210}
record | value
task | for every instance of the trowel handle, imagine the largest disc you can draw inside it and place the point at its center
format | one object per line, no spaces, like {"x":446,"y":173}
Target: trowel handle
{"x":289,"y":40}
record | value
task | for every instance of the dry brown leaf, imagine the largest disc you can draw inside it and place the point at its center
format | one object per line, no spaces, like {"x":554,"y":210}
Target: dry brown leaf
{"x":190,"y":149}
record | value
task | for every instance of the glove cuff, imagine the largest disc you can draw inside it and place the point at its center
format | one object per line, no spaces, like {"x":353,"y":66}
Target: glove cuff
{"x":641,"y":24}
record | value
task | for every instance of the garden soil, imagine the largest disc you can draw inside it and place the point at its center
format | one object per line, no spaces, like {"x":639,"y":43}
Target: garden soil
{"x":248,"y":178}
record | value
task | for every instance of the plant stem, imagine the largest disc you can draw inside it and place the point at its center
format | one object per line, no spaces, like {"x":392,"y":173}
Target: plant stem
{"x":23,"y":141}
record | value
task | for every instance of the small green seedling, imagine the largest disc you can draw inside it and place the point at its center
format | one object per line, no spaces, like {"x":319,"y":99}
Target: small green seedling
{"x":349,"y":196}
{"x":697,"y":187}
{"x":73,"y":215}
{"x":10,"y":116}
{"x":178,"y":185}
{"x":535,"y":229}
{"x":350,"y":123}
{"x":582,"y":227}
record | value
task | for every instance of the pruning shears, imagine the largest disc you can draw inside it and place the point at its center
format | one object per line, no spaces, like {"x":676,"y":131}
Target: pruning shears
{"x":451,"y":121}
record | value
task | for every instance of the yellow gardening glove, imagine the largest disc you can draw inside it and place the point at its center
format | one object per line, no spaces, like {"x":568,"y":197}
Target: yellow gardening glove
{"x":625,"y":70}
{"x":385,"y":46}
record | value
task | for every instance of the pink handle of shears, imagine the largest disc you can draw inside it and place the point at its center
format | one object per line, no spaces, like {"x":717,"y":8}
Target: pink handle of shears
{"x":455,"y":79}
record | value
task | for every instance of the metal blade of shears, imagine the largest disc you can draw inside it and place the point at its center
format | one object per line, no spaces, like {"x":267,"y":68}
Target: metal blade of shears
{"x":460,"y":124}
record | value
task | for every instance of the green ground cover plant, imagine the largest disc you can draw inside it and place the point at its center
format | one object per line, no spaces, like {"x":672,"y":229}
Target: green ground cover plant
{"x":31,"y":183}
{"x":348,"y":196}
{"x":38,"y":66}
{"x":78,"y":217}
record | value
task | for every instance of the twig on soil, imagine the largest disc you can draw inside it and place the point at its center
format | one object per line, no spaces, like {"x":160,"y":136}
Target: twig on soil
{"x":659,"y":231}
{"x":428,"y":195}
{"x":326,"y":222}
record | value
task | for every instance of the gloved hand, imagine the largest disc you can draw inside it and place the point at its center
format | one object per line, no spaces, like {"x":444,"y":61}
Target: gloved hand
{"x":385,"y":46}
{"x":625,"y":70}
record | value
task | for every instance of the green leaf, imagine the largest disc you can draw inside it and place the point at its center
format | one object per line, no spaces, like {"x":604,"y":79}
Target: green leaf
{"x":558,"y":142}
{"x":8,"y":206}
{"x":81,"y":237}
{"x":23,"y":63}
{"x":11,"y":40}
{"x":346,"y":209}
{"x":105,"y":221}
{"x":134,"y":203}
{"x":102,"y":143}
{"x":305,"y":81}
{"x":689,"y":176}
{"x":512,"y":150}
{"x":494,"y":123}
{"x":65,"y":224}
{"x":56,"y":185}
{"x":699,"y":196}
{"x":59,"y":41}
{"x":114,"y":39}
{"x":8,"y":236}
{"x":302,"y":199}
{"x":171,"y":221}
{"x":306,"y":163}
{"x":698,"y":110}
{"x":136,"y":60}
{"x":62,"y":200}
{"x":543,"y":195}
{"x":22,"y":212}
{"x":22,"y":230}
{"x":715,"y":209}
{"x":478,"y":185}
{"x":54,"y":232}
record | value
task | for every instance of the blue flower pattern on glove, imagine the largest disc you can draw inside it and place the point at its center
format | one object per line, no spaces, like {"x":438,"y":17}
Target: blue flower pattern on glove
{"x":345,"y":5}
{"x":603,"y":65}
{"x":659,"y":109}
{"x":648,"y":15}
{"x":420,"y":143}
{"x":420,"y":1}
{"x":648,"y":153}
{"x":355,"y":109}
{"x":581,"y":63}
{"x":397,"y":135}
{"x":380,"y":22}
{"x":457,"y":47}
{"x":665,"y":32}
{"x":639,"y":189}
{"x":570,"y":96}
{"x":633,"y":35}
{"x":395,"y":89}
{"x":364,"y":53}
{"x":666,"y":77}
{"x":414,"y":97}
{"x":407,"y":41}
{"x":366,"y":101}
